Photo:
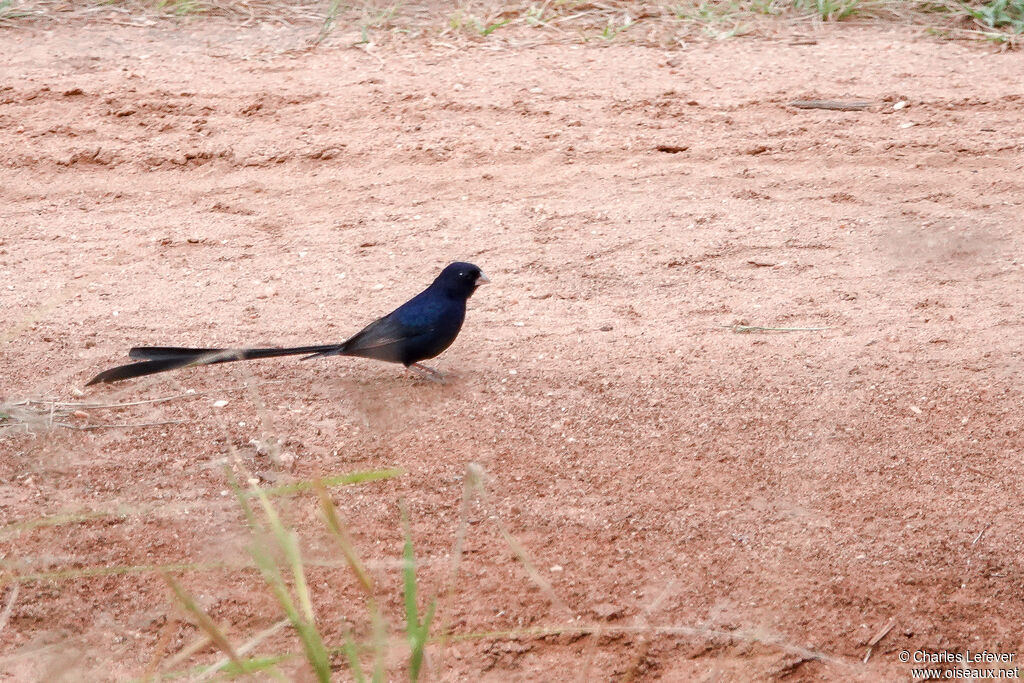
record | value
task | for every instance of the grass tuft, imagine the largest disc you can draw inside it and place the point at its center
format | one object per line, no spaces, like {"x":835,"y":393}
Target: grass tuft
{"x":999,"y":14}
{"x":266,"y":535}
{"x":274,"y":548}
{"x":8,"y":12}
{"x":829,"y":10}
{"x":667,"y":23}
{"x":339,"y":532}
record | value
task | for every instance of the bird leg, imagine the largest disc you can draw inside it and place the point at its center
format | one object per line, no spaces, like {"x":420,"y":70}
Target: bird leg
{"x":428,"y":372}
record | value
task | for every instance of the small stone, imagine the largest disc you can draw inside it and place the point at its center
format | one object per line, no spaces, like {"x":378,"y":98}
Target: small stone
{"x":606,"y":610}
{"x":220,"y":403}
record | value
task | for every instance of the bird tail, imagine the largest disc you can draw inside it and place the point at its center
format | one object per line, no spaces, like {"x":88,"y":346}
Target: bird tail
{"x":336,"y":350}
{"x":156,"y":359}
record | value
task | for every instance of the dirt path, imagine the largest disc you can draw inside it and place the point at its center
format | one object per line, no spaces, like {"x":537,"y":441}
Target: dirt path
{"x":662,"y":470}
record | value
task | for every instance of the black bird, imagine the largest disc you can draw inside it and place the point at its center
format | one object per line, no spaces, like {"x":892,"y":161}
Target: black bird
{"x":419,"y":329}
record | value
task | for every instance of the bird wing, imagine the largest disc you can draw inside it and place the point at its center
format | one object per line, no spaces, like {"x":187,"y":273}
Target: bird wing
{"x":379,"y":333}
{"x":419,"y":316}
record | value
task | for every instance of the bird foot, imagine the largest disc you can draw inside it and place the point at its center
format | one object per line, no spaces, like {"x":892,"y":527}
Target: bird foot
{"x":429,"y":373}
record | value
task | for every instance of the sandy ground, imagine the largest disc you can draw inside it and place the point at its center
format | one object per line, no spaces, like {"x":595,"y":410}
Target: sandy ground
{"x":798,"y":490}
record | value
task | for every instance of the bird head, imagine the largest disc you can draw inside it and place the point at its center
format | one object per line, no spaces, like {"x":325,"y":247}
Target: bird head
{"x":460,"y":279}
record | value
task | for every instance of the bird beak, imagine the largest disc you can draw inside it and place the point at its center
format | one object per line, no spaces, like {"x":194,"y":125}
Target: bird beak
{"x":482,"y":280}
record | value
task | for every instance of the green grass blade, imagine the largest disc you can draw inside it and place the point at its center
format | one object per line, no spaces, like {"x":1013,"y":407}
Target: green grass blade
{"x":491,"y":28}
{"x":340,"y":533}
{"x":60,"y":519}
{"x":409,"y":576}
{"x":352,"y":654}
{"x":241,"y":495}
{"x":316,"y":653}
{"x":313,"y":645}
{"x":335,"y":480}
{"x":288,"y":543}
{"x":254,"y":665}
{"x":380,"y":641}
{"x":304,"y":623}
{"x":250,"y":665}
{"x":267,"y":664}
{"x":68,"y":574}
{"x":205,"y":622}
{"x":419,"y":644}
{"x":299,"y":576}
{"x":416,"y":632}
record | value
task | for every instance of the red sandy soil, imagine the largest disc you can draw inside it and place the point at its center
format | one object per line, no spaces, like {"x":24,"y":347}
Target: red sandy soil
{"x":786,"y":495}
